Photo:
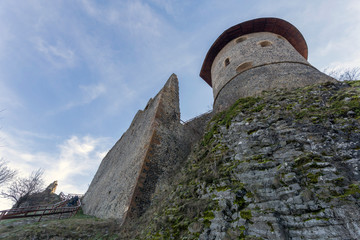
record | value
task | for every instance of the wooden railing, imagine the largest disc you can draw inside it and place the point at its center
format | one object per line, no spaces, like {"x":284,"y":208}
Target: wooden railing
{"x":59,"y":208}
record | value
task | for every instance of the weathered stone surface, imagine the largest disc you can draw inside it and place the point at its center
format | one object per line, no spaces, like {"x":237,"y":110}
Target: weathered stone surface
{"x":154,"y":143}
{"x":271,"y":25}
{"x":255,"y":62}
{"x":195,"y":128}
{"x":249,"y":49}
{"x":46,"y":197}
{"x":265,"y":78}
{"x":52,"y":187}
{"x":284,"y":165}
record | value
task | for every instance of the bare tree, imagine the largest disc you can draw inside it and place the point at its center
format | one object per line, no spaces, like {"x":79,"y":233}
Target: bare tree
{"x":346,"y":74}
{"x":6,"y":174}
{"x":350,"y":74}
{"x":21,"y":188}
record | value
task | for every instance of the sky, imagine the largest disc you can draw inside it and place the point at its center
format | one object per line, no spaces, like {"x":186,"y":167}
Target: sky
{"x":73,"y":73}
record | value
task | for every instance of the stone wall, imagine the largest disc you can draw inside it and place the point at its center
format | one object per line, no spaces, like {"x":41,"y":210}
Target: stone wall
{"x":256,"y":62}
{"x":273,"y":76}
{"x":195,"y":127}
{"x":146,"y":152}
{"x":251,"y":48}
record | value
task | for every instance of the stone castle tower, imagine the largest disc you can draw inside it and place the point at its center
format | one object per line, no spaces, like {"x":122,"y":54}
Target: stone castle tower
{"x":248,"y":58}
{"x":257,"y":55}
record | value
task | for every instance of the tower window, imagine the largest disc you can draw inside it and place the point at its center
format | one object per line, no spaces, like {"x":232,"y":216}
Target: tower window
{"x":244,"y":66}
{"x":265,"y":43}
{"x":240,"y":39}
{"x":227,"y":62}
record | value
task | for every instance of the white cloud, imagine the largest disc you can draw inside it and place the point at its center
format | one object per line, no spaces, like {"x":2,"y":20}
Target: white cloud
{"x":142,"y":20}
{"x":78,"y":156}
{"x":73,"y":164}
{"x":58,"y":55}
{"x":6,"y":38}
{"x":89,"y":94}
{"x":9,"y":99}
{"x":167,"y":5}
{"x":90,"y":8}
{"x":104,"y":63}
{"x":135,"y":16}
{"x":34,"y":135}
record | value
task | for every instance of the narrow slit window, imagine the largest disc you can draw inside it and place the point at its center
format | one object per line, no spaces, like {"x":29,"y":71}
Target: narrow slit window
{"x":227,"y":62}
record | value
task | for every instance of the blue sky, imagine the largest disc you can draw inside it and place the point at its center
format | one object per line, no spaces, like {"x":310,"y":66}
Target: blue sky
{"x":73,"y":73}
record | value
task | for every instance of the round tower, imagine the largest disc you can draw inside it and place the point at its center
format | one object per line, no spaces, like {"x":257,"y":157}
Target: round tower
{"x":257,"y":55}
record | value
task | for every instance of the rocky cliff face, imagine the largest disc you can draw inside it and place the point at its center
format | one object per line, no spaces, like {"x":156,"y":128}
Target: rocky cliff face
{"x":284,"y":165}
{"x":46,"y":197}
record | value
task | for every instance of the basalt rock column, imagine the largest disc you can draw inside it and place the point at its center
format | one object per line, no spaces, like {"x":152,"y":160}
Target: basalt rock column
{"x":257,"y":55}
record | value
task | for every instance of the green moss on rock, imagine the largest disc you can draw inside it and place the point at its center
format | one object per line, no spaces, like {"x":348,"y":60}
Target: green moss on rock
{"x":246,"y":214}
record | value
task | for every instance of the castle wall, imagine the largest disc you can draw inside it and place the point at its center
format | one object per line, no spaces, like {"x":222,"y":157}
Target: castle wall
{"x":195,"y":128}
{"x":255,"y":62}
{"x":147,"y":151}
{"x":275,"y":76}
